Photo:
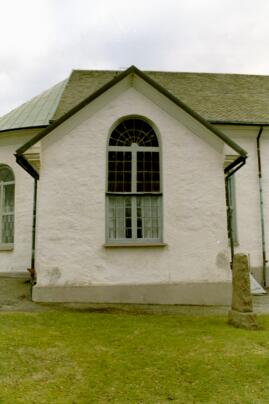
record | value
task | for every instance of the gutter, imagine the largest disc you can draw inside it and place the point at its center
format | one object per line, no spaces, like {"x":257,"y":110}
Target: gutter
{"x":229,"y":171}
{"x":26,"y":166}
{"x":234,"y":165}
{"x":22,"y":128}
{"x":264,"y":260}
{"x":238,"y":123}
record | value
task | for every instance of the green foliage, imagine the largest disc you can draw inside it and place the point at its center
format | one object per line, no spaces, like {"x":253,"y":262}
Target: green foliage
{"x":87,"y":357}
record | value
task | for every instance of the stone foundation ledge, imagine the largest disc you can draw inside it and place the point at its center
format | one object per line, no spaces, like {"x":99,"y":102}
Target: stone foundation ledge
{"x":200,"y":293}
{"x":17,"y":275}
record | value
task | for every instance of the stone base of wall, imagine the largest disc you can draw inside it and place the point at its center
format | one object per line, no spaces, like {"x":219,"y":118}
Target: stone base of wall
{"x":14,"y":288}
{"x":202,"y":293}
{"x":19,"y":275}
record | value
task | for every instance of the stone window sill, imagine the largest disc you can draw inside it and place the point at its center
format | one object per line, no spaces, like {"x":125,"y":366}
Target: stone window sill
{"x":6,"y":247}
{"x":115,"y":245}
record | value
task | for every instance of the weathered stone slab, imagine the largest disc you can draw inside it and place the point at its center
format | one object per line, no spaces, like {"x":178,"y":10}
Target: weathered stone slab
{"x":241,"y":295}
{"x":243,"y":320}
{"x":241,"y":314}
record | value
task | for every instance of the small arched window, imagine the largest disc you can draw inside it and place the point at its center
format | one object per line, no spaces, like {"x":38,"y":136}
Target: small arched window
{"x":7,"y":188}
{"x":134,"y":183}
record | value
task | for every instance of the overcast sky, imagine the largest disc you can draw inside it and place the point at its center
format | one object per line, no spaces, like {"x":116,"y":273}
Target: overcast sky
{"x":43,"y":40}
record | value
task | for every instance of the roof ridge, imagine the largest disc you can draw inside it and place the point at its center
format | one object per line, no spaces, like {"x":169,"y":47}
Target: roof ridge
{"x":97,"y":70}
{"x":172,"y":72}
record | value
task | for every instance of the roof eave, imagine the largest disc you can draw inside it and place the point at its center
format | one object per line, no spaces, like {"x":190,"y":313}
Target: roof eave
{"x":239,"y":123}
{"x":23,"y":128}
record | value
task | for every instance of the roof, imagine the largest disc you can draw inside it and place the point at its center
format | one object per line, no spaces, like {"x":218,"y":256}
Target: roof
{"x":232,"y":98}
{"x":150,"y":81}
{"x":36,"y":112}
{"x":218,"y":98}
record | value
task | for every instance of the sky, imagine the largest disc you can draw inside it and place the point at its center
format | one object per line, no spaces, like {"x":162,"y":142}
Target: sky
{"x":43,"y":40}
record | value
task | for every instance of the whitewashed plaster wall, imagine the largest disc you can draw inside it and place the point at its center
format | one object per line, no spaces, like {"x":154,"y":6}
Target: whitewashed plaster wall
{"x":71,"y":204}
{"x":247,"y":195}
{"x":19,"y":259}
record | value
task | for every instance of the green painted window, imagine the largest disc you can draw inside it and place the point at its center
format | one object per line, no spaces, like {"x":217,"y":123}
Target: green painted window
{"x":7,"y":189}
{"x":134,"y":184}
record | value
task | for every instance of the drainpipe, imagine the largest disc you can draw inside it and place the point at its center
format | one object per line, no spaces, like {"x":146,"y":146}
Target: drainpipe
{"x":229,"y":171}
{"x":26,"y":166}
{"x":229,"y":220}
{"x":264,"y":260}
{"x":34,"y":226}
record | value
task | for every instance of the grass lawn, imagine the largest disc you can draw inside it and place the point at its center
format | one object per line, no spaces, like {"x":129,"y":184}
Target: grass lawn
{"x":95,"y":357}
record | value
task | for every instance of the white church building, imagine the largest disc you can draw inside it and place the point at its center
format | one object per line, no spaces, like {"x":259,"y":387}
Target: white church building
{"x":112,"y":186}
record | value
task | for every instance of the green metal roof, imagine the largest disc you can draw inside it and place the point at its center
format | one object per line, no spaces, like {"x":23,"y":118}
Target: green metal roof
{"x":223,"y":98}
{"x":36,"y":112}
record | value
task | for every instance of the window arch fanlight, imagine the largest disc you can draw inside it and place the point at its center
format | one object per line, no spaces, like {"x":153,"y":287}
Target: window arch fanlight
{"x":133,"y":131}
{"x":134,"y":183}
{"x":7,"y":188}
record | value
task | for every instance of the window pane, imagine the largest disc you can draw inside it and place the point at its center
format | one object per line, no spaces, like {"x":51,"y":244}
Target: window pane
{"x":7,"y":228}
{"x":133,"y":131}
{"x":8,"y":198}
{"x":6,"y":174}
{"x":120,"y":218}
{"x":148,"y":172}
{"x":148,"y":217}
{"x":7,"y":213}
{"x":119,"y":171}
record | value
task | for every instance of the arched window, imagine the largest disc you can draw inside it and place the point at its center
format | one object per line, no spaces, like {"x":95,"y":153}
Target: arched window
{"x":7,"y":187}
{"x":134,"y":184}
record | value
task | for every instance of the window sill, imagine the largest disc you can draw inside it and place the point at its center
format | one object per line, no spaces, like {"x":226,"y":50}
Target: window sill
{"x":6,"y":247}
{"x":114,"y":245}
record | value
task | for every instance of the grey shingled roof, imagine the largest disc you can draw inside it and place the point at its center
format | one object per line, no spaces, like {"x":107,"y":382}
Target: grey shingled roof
{"x":130,"y":71}
{"x":232,"y":98}
{"x":36,"y":112}
{"x":221,"y":97}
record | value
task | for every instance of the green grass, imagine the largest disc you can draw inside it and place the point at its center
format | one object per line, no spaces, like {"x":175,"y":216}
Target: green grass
{"x":92,"y":357}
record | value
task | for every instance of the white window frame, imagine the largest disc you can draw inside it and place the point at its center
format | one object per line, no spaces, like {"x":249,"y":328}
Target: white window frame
{"x":134,"y":194}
